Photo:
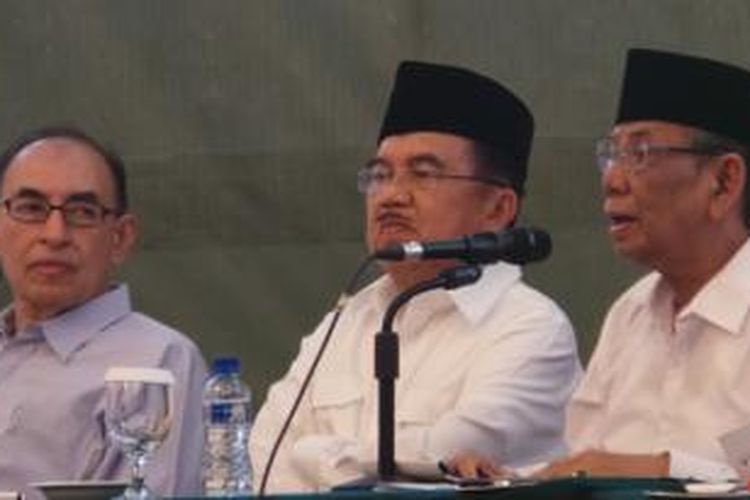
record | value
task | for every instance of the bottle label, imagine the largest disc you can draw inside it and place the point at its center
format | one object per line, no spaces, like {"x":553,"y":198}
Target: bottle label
{"x":221,"y":413}
{"x":229,"y":411}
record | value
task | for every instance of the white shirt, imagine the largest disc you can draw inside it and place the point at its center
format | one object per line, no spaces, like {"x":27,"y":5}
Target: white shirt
{"x":487,"y":368}
{"x":660,"y":382}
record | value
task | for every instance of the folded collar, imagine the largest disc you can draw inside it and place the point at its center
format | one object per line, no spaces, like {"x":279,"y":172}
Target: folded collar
{"x":724,"y":300}
{"x":474,"y":301}
{"x":68,"y":332}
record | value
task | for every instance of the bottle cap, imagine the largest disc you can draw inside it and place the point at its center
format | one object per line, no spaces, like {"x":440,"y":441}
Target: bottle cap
{"x":226,"y":366}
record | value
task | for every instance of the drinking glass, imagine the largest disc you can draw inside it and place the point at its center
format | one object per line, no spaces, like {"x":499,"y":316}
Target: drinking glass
{"x":139,"y":409}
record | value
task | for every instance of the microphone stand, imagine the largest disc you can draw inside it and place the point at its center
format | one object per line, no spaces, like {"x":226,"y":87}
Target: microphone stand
{"x":387,"y":356}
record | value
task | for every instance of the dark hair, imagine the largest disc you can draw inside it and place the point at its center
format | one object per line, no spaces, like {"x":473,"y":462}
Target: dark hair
{"x":712,"y":142}
{"x":494,"y":163}
{"x":111,"y":158}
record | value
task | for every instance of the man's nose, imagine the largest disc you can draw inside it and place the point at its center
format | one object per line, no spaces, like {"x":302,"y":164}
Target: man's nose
{"x":395,"y":191}
{"x":55,"y":229}
{"x":614,"y":178}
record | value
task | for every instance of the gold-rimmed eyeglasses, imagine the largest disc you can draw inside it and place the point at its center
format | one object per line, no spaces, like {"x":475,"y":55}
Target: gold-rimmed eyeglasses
{"x":638,"y":156}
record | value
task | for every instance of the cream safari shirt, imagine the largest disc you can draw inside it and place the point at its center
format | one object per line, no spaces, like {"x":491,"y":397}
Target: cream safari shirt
{"x":488,"y":368}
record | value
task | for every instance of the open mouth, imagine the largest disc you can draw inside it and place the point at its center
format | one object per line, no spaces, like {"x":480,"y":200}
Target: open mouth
{"x":620,"y":222}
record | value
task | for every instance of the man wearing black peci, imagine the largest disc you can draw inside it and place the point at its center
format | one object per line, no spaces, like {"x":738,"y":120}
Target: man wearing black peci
{"x":667,"y":386}
{"x":487,"y":367}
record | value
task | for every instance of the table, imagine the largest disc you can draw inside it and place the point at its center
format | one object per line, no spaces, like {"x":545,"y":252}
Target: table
{"x":556,"y":489}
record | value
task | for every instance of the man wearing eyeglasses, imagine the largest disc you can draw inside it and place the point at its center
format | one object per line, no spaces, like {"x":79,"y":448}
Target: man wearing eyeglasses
{"x":667,"y":386}
{"x":488,"y":367}
{"x":64,"y":228}
{"x":670,"y":375}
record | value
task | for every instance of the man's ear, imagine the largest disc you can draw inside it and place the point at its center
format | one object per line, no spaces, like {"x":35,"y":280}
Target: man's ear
{"x":728,"y":187}
{"x":503,"y":207}
{"x":124,"y":237}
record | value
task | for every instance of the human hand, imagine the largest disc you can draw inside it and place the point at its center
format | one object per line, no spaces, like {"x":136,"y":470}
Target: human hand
{"x":474,"y":466}
{"x":602,"y":463}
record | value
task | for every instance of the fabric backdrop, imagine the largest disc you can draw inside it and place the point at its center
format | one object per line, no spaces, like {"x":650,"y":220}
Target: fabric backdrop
{"x":243,"y":123}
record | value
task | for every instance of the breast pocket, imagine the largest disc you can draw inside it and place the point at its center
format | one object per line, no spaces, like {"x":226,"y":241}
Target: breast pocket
{"x":10,"y":415}
{"x":73,"y":429}
{"x":428,"y":398}
{"x":337,"y":406}
{"x":584,"y":416}
{"x":587,"y":398}
{"x":409,"y":414}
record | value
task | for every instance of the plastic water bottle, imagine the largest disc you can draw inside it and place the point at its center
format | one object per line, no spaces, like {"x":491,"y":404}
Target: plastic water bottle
{"x":226,"y":421}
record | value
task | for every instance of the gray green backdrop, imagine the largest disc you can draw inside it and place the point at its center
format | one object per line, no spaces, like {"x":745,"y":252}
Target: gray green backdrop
{"x":244,"y":121}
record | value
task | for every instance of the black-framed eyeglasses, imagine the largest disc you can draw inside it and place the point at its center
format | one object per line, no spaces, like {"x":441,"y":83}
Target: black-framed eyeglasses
{"x":76,"y":213}
{"x":636,"y":157}
{"x":372,"y":179}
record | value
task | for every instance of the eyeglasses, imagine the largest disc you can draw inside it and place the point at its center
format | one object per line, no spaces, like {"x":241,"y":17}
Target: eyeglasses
{"x":76,"y":213}
{"x":637,"y":157}
{"x":373,"y":179}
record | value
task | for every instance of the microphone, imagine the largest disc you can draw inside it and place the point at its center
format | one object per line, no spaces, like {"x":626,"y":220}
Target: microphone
{"x":517,"y":245}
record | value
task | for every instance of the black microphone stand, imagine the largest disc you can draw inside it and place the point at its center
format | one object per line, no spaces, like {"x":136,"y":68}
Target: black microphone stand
{"x":387,"y":356}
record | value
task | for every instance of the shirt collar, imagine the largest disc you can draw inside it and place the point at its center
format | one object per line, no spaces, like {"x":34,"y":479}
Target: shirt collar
{"x":69,"y":331}
{"x":473,"y":301}
{"x":723,"y":301}
{"x":476,"y":301}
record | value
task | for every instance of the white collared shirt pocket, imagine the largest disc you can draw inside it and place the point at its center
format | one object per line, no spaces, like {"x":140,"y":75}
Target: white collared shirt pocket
{"x":337,"y":406}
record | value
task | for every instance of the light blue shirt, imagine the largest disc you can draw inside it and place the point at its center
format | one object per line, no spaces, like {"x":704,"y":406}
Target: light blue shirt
{"x":52,"y":399}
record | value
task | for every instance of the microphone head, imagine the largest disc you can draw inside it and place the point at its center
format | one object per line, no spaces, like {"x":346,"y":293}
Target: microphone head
{"x":526,"y":245}
{"x":517,"y":245}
